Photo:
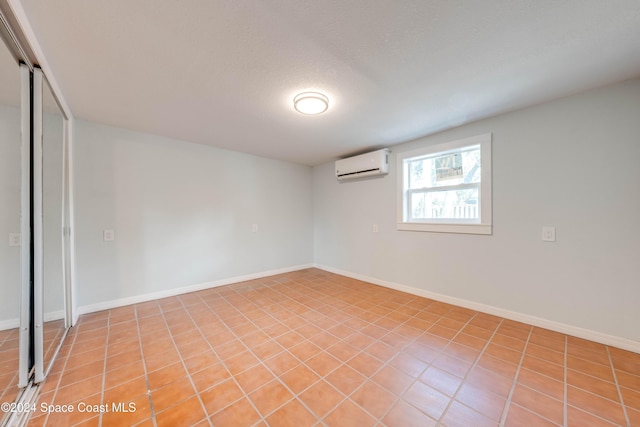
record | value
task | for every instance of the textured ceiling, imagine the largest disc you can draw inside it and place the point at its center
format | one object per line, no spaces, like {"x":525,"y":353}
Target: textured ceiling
{"x":223,"y":73}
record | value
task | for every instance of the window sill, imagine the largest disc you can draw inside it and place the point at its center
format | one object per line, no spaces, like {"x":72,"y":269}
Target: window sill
{"x":446,"y":228}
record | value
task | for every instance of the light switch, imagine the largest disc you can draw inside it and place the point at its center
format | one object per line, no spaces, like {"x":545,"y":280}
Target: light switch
{"x":254,"y":228}
{"x":108,"y":235}
{"x":14,"y":239}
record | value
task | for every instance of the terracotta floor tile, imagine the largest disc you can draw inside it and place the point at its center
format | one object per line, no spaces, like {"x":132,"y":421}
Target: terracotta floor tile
{"x":409,"y":365}
{"x":631,"y":397}
{"x":365,"y":364}
{"x":345,"y":379}
{"x":240,"y":413}
{"x":454,"y":366}
{"x":509,"y":342}
{"x":254,"y":377}
{"x":490,"y":381}
{"x":592,"y":384}
{"x":270,"y":396}
{"x":553,"y":342}
{"x":130,"y":413}
{"x":323,"y":363}
{"x":603,"y":372}
{"x":539,"y":403}
{"x":241,"y":362}
{"x":543,"y":367}
{"x":126,"y":391}
{"x":634,"y":417}
{"x":299,"y":378}
{"x":304,"y":350}
{"x":441,"y":380}
{"x":604,"y":408}
{"x":349,"y":414}
{"x":393,"y":380}
{"x":404,"y":415}
{"x":374,"y":398}
{"x":381,"y":351}
{"x":282,"y":362}
{"x":541,"y":383}
{"x":342,"y":351}
{"x":481,"y":400}
{"x":321,"y":398}
{"x":293,"y":414}
{"x":171,"y":394}
{"x":81,"y":389}
{"x":520,"y":417}
{"x":210,"y":376}
{"x":201,"y":361}
{"x":503,"y":353}
{"x":545,"y":353}
{"x":220,"y":396}
{"x":121,"y":375}
{"x":185,"y":413}
{"x":576,"y":417}
{"x":427,"y":399}
{"x":459,"y":415}
{"x":268,"y":349}
{"x":601,"y":355}
{"x":74,"y":374}
{"x":166,"y":375}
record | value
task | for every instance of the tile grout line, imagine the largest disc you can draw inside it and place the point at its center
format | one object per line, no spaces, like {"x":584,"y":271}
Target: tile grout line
{"x":507,"y":403}
{"x":144,"y":366}
{"x":57,"y":387}
{"x":104,"y":366}
{"x":615,"y":379}
{"x":184,"y":366}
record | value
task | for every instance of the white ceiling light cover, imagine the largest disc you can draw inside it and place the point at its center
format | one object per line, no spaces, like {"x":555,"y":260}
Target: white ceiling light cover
{"x":311,"y":103}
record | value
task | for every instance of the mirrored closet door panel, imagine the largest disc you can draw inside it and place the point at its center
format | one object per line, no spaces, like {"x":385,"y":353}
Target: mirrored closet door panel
{"x":14,"y":225}
{"x":49,"y":207}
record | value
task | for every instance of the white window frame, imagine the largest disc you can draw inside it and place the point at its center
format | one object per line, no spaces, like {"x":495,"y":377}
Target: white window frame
{"x":484,"y":225}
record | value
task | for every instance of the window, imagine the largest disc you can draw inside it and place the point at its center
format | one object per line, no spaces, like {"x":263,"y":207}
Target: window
{"x":447,"y":187}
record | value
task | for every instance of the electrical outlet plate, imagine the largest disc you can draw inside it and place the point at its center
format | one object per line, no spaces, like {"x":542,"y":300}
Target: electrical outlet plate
{"x":108,"y":235}
{"x":548,"y":234}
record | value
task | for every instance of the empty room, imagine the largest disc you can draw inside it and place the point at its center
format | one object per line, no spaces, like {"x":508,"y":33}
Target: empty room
{"x":295,"y":213}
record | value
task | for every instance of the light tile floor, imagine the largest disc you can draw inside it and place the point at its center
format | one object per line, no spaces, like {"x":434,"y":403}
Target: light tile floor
{"x":313,"y":348}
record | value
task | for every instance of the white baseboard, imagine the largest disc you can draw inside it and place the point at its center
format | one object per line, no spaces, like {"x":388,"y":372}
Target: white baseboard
{"x":9,"y":324}
{"x":54,"y":315}
{"x":107,"y":305}
{"x":611,"y":340}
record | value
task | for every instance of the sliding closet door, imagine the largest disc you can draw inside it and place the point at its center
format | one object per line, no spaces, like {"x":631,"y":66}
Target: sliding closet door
{"x":49,"y":226}
{"x":26,"y":283}
{"x":14,"y":224}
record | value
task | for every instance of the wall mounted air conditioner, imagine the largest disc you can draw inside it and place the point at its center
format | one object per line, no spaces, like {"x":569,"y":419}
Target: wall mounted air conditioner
{"x":369,"y":164}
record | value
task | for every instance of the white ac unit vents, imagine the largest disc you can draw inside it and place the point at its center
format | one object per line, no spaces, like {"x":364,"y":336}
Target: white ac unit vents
{"x":369,"y":164}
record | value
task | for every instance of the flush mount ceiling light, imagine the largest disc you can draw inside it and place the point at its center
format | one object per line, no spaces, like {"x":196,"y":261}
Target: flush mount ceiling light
{"x":310,"y":103}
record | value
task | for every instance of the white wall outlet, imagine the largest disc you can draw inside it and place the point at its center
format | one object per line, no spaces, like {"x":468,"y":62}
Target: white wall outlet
{"x":254,"y":228}
{"x":14,"y":239}
{"x":548,"y":234}
{"x":375,"y":228}
{"x":108,"y":235}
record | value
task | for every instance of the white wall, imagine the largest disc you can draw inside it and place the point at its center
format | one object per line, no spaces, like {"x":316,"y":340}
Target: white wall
{"x":573,"y":164}
{"x":182,"y":214}
{"x":9,"y":215}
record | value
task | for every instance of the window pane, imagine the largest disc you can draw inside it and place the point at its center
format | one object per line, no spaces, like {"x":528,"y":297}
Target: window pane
{"x":454,"y":168}
{"x":451,"y":204}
